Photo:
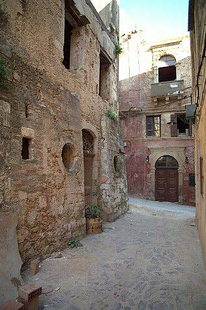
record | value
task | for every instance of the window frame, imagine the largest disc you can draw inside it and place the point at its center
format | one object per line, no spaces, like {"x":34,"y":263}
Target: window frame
{"x":167,"y":70}
{"x":153,"y":130}
{"x":104,"y":76}
{"x":174,"y":126}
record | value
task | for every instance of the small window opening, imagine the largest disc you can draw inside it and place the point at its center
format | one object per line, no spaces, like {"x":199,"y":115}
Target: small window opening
{"x":116,"y":163}
{"x":191,"y":179}
{"x":26,"y":111}
{"x":104,"y":77}
{"x":67,"y":43}
{"x":182,"y":125}
{"x":167,"y":69}
{"x":25,"y":148}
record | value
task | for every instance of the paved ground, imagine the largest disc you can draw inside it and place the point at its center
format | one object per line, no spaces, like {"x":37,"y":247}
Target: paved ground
{"x":168,"y":209}
{"x":145,"y":260}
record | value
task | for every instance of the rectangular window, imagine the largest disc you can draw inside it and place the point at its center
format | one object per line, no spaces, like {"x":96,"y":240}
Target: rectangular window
{"x":153,"y":126}
{"x":67,"y":43}
{"x":104,"y":77}
{"x":180,"y":126}
{"x":201,"y":176}
{"x":167,"y":73}
{"x":191,"y":179}
{"x":25,"y":148}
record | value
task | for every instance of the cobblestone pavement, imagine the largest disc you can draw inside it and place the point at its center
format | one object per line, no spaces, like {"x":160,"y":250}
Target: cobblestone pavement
{"x":142,"y":261}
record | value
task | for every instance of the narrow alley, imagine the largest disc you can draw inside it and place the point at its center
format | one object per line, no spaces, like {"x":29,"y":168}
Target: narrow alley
{"x":102,"y":155}
{"x":148,"y":259}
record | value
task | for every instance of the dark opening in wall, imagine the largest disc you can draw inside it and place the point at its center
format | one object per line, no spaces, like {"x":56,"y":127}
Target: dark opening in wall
{"x":167,"y":74}
{"x":104,"y":77}
{"x":191,"y":179}
{"x":167,"y":68}
{"x":67,"y":43}
{"x":26,"y":110}
{"x":116,"y":163}
{"x":180,"y":126}
{"x":118,"y":166}
{"x":68,"y":155}
{"x":25,"y":148}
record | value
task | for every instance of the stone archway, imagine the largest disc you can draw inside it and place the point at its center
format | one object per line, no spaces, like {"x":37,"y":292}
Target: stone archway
{"x":88,"y":152}
{"x":166,"y":179}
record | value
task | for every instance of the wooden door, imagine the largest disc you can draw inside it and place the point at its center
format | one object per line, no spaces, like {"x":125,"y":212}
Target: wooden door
{"x":166,"y":184}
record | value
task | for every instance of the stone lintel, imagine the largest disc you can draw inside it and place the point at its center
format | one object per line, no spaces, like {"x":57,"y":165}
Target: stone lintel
{"x":27,"y":132}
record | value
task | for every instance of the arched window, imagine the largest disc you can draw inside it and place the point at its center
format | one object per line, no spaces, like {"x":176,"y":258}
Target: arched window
{"x":166,"y":162}
{"x":167,"y":68}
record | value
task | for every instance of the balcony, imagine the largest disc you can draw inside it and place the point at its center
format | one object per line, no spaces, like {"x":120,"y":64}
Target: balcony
{"x":167,"y":90}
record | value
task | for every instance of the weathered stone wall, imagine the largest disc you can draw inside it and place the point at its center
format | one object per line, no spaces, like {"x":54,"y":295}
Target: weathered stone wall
{"x":197,"y":24}
{"x":109,"y":12}
{"x":138,"y":71}
{"x":50,"y":105}
{"x":112,"y":173}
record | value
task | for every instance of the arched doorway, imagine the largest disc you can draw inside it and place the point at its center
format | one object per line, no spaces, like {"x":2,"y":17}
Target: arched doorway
{"x":88,"y":150}
{"x":166,"y":179}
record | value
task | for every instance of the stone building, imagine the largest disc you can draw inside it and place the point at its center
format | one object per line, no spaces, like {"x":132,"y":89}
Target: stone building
{"x":59,"y":151}
{"x":197,"y":27}
{"x":155,"y":87}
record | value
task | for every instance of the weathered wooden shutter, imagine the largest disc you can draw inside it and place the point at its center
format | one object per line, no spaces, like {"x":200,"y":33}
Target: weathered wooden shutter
{"x":173,"y":126}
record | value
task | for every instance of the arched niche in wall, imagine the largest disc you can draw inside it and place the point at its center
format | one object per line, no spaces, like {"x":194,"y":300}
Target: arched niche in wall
{"x":69,"y":155}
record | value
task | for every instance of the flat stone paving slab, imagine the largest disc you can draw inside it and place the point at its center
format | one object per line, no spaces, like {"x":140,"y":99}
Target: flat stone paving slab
{"x":142,"y":261}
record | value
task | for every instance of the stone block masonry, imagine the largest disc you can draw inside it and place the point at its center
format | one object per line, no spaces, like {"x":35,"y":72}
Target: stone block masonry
{"x":42,"y":114}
